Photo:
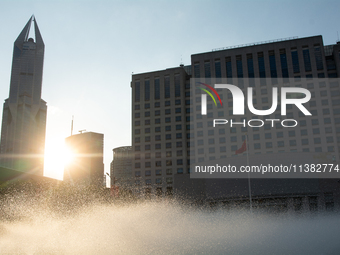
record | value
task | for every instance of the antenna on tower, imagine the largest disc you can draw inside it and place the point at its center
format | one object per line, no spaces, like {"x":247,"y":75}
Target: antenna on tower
{"x":72,"y":126}
{"x":181,"y":64}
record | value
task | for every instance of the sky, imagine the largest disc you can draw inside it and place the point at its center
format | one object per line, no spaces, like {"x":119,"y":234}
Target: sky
{"x":92,"y":47}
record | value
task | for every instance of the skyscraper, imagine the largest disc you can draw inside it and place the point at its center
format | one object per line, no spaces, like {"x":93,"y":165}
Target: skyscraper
{"x":24,"y":112}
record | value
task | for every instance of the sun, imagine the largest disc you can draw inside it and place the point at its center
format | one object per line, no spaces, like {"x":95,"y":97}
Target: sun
{"x":57,"y":155}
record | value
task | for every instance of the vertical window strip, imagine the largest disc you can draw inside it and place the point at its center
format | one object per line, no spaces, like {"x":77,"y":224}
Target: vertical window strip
{"x":137,"y":91}
{"x":167,"y":86}
{"x":147,"y":90}
{"x":295,"y":60}
{"x":318,"y":58}
{"x":197,"y":70}
{"x":218,"y":73}
{"x":177,"y":85}
{"x":207,"y":72}
{"x":157,"y":89}
{"x":306,"y":60}
{"x":284,"y":65}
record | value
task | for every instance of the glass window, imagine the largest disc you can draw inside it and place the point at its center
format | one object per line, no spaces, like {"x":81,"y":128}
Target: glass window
{"x":306,"y":59}
{"x":262,"y":70}
{"x":229,"y":69}
{"x":295,"y":60}
{"x":284,"y":65}
{"x":318,"y":57}
{"x":146,"y":90}
{"x":218,"y":73}
{"x":207,"y":72}
{"x":157,"y":89}
{"x":177,"y":86}
{"x":137,"y":91}
{"x":166,"y":87}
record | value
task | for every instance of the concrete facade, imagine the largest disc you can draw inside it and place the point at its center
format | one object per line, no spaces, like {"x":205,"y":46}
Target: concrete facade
{"x":168,"y":137}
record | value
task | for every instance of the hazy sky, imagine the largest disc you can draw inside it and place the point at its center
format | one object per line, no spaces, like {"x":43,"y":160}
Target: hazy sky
{"x":93,"y":47}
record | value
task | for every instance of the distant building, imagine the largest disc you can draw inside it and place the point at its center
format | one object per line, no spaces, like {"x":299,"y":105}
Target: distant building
{"x":24,"y":112}
{"x":86,"y":166}
{"x":121,"y":167}
{"x":168,"y":137}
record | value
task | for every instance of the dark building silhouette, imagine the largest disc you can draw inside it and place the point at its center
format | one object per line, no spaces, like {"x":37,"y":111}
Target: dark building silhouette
{"x":24,"y":112}
{"x":86,"y":166}
{"x":169,"y":138}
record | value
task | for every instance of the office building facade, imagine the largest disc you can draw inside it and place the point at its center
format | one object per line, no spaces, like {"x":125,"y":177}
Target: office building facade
{"x":168,"y":131}
{"x":24,"y":112}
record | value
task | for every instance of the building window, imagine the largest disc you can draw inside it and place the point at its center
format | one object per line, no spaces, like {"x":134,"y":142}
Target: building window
{"x":146,"y":90}
{"x":167,"y":87}
{"x":137,"y":91}
{"x":262,"y":70}
{"x":218,"y":73}
{"x":137,"y":173}
{"x":179,"y":170}
{"x":272,"y":65}
{"x":284,"y":65}
{"x":197,"y":70}
{"x":157,"y":89}
{"x":177,"y":86}
{"x":306,"y":59}
{"x":318,"y":57}
{"x":229,"y":69}
{"x":250,"y":65}
{"x":295,"y":60}
{"x":239,"y":67}
{"x":207,"y":72}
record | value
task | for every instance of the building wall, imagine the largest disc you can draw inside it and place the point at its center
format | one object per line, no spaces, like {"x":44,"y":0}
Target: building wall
{"x":305,"y":58}
{"x":87,"y":163}
{"x":24,"y":112}
{"x":121,"y":170}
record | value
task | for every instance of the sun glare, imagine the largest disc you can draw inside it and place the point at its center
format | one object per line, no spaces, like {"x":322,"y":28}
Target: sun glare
{"x":57,"y":155}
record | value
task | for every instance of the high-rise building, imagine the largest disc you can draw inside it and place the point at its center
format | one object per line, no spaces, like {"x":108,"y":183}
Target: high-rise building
{"x":24,"y":112}
{"x":168,"y":137}
{"x":86,"y":164}
{"x":121,"y":168}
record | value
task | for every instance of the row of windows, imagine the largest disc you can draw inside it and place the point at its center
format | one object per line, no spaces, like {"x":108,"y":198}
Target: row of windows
{"x":158,"y":172}
{"x":157,"y":89}
{"x":157,"y":181}
{"x":157,"y":129}
{"x":159,"y":163}
{"x":305,"y":141}
{"x":261,"y":64}
{"x":158,"y":146}
{"x":157,"y":104}
{"x":159,"y":155}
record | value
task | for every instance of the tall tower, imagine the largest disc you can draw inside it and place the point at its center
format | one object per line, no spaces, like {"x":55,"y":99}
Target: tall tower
{"x":24,"y":112}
